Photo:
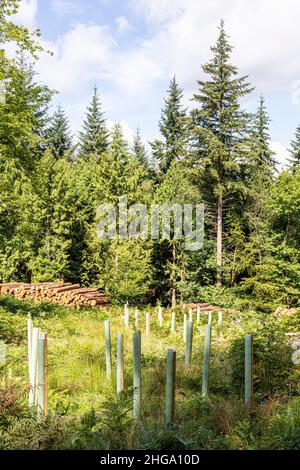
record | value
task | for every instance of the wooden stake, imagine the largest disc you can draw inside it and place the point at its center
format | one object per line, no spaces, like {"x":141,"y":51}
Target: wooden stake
{"x":189,"y":345}
{"x":206,"y":359}
{"x":120,"y":363}
{"x":220,"y":319}
{"x":170,"y":387}
{"x":160,"y":317}
{"x":198,"y":314}
{"x":173,"y":323}
{"x":184,"y":327}
{"x":136,"y":318}
{"x":209,"y":318}
{"x":2,"y":353}
{"x":137,"y":376}
{"x":126,"y":317}
{"x":191,"y":314}
{"x":147,"y":324}
{"x":248,"y":370}
{"x":107,"y":348}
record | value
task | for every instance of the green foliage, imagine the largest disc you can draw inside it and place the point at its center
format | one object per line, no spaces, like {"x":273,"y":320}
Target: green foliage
{"x":218,"y":154}
{"x":94,"y":137}
{"x":295,"y":152}
{"x":127,"y":270}
{"x":172,"y":128}
{"x":283,"y":431}
{"x":273,"y":367}
{"x":58,"y":135}
{"x":263,"y":157}
{"x":86,"y":414}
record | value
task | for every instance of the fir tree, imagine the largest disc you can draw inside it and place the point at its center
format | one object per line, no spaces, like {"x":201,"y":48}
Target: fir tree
{"x":139,"y":150}
{"x":220,"y":127}
{"x":295,"y":152}
{"x":58,"y":134}
{"x":172,"y":129}
{"x":94,"y":137}
{"x":263,"y":156}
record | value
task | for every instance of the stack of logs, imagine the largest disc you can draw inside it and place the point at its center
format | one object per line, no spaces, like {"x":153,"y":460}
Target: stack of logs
{"x":63,"y":293}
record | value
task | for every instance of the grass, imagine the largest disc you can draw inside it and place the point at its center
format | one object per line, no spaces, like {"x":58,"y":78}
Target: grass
{"x":86,"y":414}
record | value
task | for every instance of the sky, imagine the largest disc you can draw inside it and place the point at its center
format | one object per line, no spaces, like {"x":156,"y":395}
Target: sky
{"x":130,"y":49}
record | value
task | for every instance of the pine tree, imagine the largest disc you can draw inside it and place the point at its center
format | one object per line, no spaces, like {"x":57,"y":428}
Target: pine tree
{"x":220,"y":127}
{"x":94,"y":137}
{"x":263,"y":156}
{"x":58,"y":135}
{"x":295,"y":151}
{"x":172,"y":129}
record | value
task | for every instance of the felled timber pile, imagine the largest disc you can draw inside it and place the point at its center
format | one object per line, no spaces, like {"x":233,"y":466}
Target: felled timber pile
{"x":203,"y":307}
{"x":63,"y":293}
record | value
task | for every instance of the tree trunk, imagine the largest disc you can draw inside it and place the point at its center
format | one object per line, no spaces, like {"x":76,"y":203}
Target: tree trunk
{"x":219,"y":240}
{"x":173,"y":276}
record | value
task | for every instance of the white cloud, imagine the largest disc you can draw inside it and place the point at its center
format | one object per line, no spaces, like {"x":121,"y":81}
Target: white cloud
{"x":179,"y":36}
{"x":81,"y":55}
{"x":122,"y":24}
{"x":265,"y":32}
{"x":137,"y":71}
{"x":26,"y":15}
{"x":67,"y":7}
{"x":176,"y":38}
{"x":89,"y":52}
{"x":281,"y":154}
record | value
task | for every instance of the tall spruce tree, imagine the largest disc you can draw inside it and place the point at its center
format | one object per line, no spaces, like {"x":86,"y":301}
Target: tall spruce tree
{"x":220,"y":127}
{"x":94,"y":137}
{"x":295,"y":152}
{"x":139,"y":150}
{"x":263,"y":156}
{"x":58,"y":135}
{"x":172,"y":129}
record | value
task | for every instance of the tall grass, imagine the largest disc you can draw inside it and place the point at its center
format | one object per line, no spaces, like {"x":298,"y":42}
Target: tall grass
{"x":85,"y":411}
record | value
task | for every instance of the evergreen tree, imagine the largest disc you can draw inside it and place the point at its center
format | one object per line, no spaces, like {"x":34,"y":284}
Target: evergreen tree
{"x":170,"y":256}
{"x":52,"y":215}
{"x":16,"y":197}
{"x":263,"y":156}
{"x":220,"y":128}
{"x":59,"y":139}
{"x":172,"y":129}
{"x":275,"y":276}
{"x":118,"y":173}
{"x":94,"y":137}
{"x":139,"y":150}
{"x":23,"y":115}
{"x":295,"y":152}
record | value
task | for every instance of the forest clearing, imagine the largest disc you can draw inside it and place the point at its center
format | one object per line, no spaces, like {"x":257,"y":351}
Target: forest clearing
{"x":149,"y":227}
{"x":85,"y":411}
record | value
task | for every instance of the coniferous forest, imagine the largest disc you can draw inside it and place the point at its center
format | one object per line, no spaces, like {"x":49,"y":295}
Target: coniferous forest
{"x":51,"y":183}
